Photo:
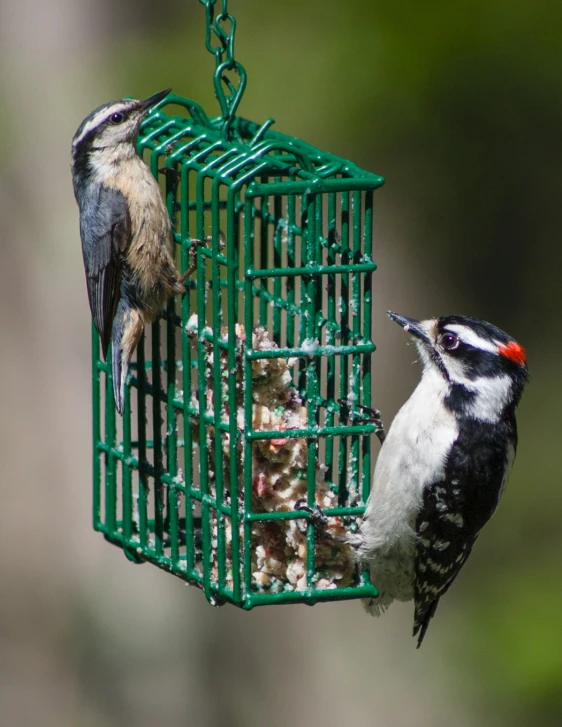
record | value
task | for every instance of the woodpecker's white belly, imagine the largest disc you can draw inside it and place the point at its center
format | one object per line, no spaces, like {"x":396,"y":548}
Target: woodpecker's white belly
{"x":412,"y":457}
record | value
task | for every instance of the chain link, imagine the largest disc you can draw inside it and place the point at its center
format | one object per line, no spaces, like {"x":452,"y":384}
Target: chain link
{"x":219,"y":40}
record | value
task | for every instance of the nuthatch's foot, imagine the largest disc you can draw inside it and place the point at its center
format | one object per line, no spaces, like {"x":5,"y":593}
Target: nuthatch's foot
{"x":170,"y":173}
{"x":194,"y":244}
{"x":368,"y":416}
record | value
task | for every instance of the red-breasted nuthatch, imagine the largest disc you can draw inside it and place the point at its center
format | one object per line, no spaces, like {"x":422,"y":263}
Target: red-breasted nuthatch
{"x":125,"y":231}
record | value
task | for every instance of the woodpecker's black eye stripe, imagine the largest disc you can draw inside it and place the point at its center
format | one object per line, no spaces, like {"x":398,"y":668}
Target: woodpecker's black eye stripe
{"x":484,"y":330}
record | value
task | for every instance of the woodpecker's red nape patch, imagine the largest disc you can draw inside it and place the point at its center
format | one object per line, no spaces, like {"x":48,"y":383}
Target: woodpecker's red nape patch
{"x":515,"y":352}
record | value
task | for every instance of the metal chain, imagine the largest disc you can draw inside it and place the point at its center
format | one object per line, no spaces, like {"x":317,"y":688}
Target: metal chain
{"x":219,"y":40}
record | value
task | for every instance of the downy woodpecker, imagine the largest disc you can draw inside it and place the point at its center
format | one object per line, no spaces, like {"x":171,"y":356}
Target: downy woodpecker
{"x":444,"y":463}
{"x":125,"y":231}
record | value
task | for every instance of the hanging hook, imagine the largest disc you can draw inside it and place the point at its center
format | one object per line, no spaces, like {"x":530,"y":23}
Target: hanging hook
{"x":222,"y":27}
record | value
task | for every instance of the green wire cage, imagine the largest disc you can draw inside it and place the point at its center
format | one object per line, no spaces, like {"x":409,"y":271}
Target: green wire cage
{"x":239,"y":408}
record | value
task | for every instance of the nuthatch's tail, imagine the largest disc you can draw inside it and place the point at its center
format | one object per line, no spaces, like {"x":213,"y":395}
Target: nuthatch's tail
{"x":127,"y":330}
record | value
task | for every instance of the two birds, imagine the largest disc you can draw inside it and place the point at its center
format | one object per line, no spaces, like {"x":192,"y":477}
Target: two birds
{"x":444,"y":464}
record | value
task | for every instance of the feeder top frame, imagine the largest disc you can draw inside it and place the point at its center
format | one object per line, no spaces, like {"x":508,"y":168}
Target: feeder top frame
{"x":258,"y":141}
{"x":254,"y":152}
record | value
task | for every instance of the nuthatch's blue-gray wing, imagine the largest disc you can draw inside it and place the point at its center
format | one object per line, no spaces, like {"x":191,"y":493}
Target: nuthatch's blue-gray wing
{"x":105,"y":229}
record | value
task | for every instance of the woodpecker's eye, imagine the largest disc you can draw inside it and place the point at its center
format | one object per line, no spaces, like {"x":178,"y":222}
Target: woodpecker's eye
{"x":449,"y":341}
{"x":117,"y":118}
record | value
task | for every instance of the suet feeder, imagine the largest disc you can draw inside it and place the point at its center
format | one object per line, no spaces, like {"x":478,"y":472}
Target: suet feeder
{"x":234,"y":412}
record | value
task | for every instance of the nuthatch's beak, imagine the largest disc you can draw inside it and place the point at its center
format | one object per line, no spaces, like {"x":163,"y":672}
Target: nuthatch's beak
{"x":411,"y":326}
{"x":146,"y":105}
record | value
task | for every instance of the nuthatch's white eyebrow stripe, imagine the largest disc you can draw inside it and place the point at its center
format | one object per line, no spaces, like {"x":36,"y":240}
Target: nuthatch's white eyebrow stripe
{"x":473,"y":339}
{"x":102,"y":115}
{"x":90,"y":125}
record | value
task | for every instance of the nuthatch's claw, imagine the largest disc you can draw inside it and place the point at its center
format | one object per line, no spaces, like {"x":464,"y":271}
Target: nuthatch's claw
{"x":368,"y":416}
{"x":170,"y":173}
{"x":194,"y":244}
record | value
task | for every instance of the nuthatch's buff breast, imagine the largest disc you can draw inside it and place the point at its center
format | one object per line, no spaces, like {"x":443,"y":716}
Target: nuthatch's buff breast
{"x":149,"y":255}
{"x":125,"y":231}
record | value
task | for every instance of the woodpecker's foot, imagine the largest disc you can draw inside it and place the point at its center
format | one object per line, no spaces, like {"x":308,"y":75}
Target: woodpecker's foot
{"x":319,"y":520}
{"x":368,"y":416}
{"x":317,"y":515}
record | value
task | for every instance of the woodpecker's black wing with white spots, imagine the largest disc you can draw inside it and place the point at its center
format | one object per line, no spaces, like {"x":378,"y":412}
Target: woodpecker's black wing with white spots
{"x":105,"y":229}
{"x":454,"y":510}
{"x":442,"y":549}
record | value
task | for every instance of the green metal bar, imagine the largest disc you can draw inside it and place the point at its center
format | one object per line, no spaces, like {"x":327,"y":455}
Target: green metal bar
{"x":277,"y":259}
{"x":330,"y":330}
{"x":312,"y":270}
{"x":310,"y":597}
{"x":299,"y":515}
{"x":315,"y":432}
{"x":365,"y":575}
{"x":232,"y":236}
{"x":111,"y":460}
{"x":312,"y":352}
{"x":218,"y":405}
{"x":344,"y":322}
{"x":248,"y":391}
{"x":157,"y":421}
{"x":312,"y":187}
{"x":367,"y":330}
{"x":142,"y":501}
{"x":310,"y":250}
{"x":96,"y":426}
{"x":264,"y":259}
{"x":202,"y":396}
{"x":172,"y":514}
{"x":127,"y":483}
{"x":171,"y":437}
{"x":356,"y":308}
{"x":185,"y":403}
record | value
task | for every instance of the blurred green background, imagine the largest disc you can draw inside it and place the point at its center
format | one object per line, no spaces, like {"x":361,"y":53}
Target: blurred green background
{"x":459,"y":106}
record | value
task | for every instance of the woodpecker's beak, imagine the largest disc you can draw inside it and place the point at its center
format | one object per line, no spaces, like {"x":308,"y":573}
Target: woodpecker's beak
{"x":411,"y":326}
{"x":153,"y":100}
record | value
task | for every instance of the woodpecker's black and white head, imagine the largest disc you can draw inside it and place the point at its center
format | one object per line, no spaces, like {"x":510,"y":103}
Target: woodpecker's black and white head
{"x":108,"y":136}
{"x":482,"y":367}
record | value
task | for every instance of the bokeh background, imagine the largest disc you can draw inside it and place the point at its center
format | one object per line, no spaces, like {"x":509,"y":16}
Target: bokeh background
{"x":459,"y":106}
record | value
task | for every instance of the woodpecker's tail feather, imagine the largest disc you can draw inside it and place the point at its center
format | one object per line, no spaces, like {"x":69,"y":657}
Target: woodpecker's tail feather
{"x":421,"y":620}
{"x":127,"y":329}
